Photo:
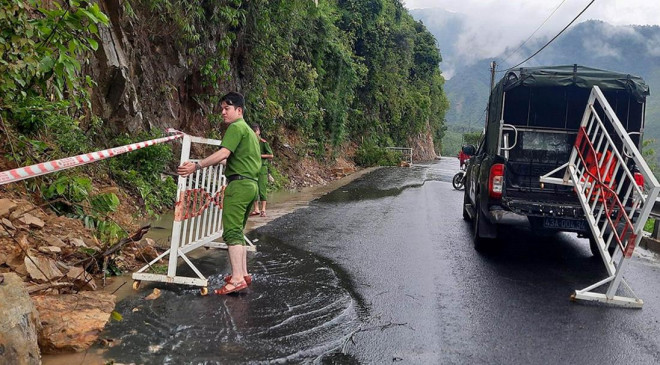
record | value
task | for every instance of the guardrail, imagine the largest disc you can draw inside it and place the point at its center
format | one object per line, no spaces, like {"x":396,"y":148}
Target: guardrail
{"x":655,"y":213}
{"x":406,"y":153}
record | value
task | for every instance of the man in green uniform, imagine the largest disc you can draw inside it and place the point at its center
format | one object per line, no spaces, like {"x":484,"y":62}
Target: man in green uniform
{"x":240,"y":149}
{"x":266,"y":156}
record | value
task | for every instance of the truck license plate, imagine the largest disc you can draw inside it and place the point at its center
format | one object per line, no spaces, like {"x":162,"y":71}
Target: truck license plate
{"x":567,"y":224}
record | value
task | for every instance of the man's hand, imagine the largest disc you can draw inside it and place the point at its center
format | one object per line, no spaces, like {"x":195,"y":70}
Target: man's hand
{"x":186,"y":169}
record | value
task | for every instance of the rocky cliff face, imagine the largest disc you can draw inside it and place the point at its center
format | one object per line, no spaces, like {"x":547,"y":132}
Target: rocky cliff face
{"x":143,"y":80}
{"x":423,"y":147}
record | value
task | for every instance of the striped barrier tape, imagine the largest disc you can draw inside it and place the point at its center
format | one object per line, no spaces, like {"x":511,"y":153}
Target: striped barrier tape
{"x":44,"y":168}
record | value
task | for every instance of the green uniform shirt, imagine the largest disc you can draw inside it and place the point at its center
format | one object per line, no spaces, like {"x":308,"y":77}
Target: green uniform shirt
{"x":245,"y":158}
{"x":265,"y":150}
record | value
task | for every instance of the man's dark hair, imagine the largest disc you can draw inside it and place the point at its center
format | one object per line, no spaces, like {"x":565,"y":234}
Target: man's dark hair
{"x":234,"y":99}
{"x":255,"y":127}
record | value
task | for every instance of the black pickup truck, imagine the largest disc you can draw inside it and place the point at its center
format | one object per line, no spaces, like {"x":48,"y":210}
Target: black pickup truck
{"x":532,"y":123}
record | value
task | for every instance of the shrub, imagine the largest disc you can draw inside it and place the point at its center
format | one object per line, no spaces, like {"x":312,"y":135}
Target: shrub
{"x":370,"y":154}
{"x":140,"y":172}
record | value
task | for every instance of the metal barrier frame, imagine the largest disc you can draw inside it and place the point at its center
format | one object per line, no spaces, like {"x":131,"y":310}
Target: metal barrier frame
{"x":602,"y":201}
{"x":407,"y":150}
{"x":201,"y":228}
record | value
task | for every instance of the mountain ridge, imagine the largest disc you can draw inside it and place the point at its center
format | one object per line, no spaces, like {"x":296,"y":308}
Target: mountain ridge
{"x":633,"y":49}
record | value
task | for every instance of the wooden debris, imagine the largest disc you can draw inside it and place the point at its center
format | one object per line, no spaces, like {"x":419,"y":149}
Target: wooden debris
{"x":35,"y":288}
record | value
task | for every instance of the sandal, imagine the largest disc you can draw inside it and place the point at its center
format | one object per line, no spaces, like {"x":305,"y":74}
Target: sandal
{"x":248,"y":279}
{"x":236,"y":287}
{"x":255,"y":213}
{"x":263,"y":214}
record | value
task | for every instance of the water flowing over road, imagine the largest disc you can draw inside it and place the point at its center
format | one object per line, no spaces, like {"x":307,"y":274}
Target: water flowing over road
{"x":383,"y":270}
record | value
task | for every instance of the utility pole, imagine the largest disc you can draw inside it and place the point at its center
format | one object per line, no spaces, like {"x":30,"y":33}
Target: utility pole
{"x":492,"y":75}
{"x":492,"y":85}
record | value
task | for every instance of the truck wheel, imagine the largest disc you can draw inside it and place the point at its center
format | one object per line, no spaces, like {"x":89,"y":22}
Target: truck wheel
{"x":466,"y":216}
{"x":479,"y":242}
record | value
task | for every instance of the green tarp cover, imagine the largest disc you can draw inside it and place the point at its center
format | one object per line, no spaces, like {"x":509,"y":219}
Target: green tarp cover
{"x":559,"y":76}
{"x":580,"y":76}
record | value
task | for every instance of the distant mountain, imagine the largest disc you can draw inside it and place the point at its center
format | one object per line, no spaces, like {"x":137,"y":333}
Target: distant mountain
{"x":628,"y":49}
{"x":445,"y":27}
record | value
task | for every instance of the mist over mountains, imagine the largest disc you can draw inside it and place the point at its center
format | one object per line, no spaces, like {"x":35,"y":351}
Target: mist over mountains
{"x":633,"y":49}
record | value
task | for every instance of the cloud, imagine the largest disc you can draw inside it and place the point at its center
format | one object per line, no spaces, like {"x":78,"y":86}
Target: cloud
{"x":493,"y":25}
{"x":599,"y":49}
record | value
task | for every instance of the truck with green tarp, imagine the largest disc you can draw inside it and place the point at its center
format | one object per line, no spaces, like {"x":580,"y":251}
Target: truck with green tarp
{"x":532,"y":122}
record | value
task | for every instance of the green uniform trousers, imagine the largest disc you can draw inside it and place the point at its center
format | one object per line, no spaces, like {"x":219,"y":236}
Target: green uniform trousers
{"x":237,"y":205}
{"x":263,"y":183}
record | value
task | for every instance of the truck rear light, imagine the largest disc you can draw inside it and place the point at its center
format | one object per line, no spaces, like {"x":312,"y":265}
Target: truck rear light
{"x":639,"y":179}
{"x":496,"y":181}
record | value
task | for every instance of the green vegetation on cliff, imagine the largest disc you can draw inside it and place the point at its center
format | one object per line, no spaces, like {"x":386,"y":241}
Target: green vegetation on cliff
{"x":332,"y":72}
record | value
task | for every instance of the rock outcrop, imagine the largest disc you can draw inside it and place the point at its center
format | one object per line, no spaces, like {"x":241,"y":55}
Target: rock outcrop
{"x":41,"y":253}
{"x":423,"y":147}
{"x":19,"y":323}
{"x":72,"y":322}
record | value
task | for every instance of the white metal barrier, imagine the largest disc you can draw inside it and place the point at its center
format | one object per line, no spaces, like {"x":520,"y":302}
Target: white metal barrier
{"x":197,"y":220}
{"x":616,"y":202}
{"x":406,"y":153}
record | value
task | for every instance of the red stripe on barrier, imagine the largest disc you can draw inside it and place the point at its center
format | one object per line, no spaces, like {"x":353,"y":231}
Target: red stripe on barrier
{"x":192,"y":203}
{"x":610,"y":202}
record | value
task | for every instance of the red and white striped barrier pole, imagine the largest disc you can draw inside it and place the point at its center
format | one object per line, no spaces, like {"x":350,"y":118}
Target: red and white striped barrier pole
{"x":44,"y":168}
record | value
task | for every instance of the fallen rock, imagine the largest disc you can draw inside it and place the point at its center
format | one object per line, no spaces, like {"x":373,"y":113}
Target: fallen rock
{"x":19,"y":323}
{"x":55,"y":241}
{"x":72,"y":322}
{"x":154,"y":295}
{"x":42,"y":269}
{"x":146,"y":250}
{"x":6,"y":207}
{"x":77,"y":242}
{"x":7,"y":223}
{"x":50,"y":249}
{"x":31,"y":221}
{"x":21,"y":208}
{"x":81,"y":278}
{"x":17,"y":264}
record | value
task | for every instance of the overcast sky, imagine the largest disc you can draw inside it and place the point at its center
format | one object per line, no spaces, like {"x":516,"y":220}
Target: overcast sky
{"x":493,"y":25}
{"x":533,"y":12}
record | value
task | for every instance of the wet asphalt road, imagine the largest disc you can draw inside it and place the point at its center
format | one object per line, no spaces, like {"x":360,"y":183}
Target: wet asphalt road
{"x":383,"y":271}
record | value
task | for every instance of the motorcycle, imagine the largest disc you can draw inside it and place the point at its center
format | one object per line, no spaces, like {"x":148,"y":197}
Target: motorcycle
{"x":458,"y":181}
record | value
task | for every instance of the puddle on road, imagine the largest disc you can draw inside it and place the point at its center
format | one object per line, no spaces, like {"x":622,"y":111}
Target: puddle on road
{"x":298,"y":309}
{"x":386,"y":182}
{"x":391,"y":181}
